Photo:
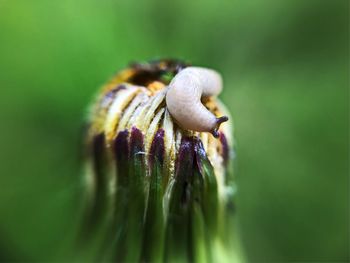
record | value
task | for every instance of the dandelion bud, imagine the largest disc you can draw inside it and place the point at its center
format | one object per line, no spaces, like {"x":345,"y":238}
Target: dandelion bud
{"x":156,"y":191}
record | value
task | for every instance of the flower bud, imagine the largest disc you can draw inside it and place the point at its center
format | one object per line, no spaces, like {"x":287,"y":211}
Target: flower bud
{"x":154,"y":191}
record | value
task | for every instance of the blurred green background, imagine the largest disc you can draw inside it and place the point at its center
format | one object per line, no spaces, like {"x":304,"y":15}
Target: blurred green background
{"x":285,"y":67}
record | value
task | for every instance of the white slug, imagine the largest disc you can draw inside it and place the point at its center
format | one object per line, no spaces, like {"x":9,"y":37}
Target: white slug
{"x":184,"y":95}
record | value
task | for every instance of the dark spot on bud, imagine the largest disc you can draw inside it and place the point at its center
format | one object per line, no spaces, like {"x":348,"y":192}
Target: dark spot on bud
{"x":136,"y":143}
{"x":121,"y":148}
{"x":184,"y":168}
{"x":157,"y":148}
{"x":137,"y":170}
{"x":225,"y":147}
{"x":200,"y":154}
{"x":185,"y":151}
{"x":121,"y":152}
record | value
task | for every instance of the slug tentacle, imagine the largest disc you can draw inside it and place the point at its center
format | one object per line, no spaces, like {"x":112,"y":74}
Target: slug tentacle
{"x":219,"y":120}
{"x":184,"y":95}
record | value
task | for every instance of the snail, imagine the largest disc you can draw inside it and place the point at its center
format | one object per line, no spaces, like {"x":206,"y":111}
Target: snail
{"x":184,"y":95}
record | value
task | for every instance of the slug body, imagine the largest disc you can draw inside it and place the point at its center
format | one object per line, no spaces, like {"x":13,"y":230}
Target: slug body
{"x":184,"y":95}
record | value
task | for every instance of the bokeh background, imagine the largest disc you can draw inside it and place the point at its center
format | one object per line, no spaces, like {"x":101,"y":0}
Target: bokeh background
{"x":285,"y":66}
